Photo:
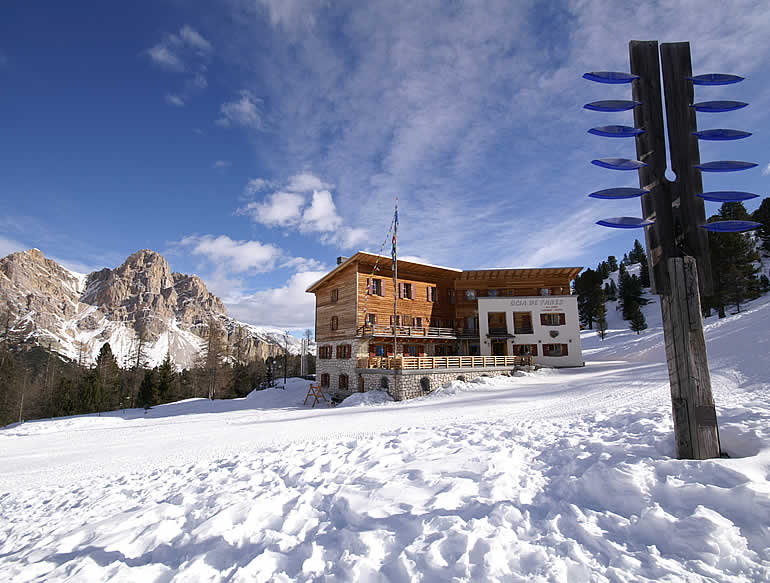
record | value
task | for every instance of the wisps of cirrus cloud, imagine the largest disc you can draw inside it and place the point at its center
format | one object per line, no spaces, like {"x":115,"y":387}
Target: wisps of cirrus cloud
{"x":471,"y":116}
{"x":186,"y":52}
{"x":766,"y":170}
{"x":304,"y":204}
{"x":243,"y":111}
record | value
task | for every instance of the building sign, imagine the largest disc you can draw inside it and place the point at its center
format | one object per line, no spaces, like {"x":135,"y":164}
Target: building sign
{"x":541,"y":302}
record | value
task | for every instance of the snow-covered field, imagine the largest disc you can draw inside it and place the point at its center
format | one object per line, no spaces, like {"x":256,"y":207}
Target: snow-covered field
{"x":564,"y":475}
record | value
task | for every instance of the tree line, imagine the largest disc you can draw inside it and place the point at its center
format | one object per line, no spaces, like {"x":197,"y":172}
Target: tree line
{"x":735,"y":266}
{"x":36,"y":382}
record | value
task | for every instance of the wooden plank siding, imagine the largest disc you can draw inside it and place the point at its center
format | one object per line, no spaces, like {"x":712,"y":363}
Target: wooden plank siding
{"x":344,"y":309}
{"x":418,"y":306}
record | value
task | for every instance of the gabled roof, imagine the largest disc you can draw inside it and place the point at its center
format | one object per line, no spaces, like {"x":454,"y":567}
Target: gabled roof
{"x":434,"y":270}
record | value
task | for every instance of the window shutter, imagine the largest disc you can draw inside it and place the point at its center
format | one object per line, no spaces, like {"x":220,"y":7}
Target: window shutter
{"x":546,"y":352}
{"x":562,"y":319}
{"x":564,"y":350}
{"x":400,"y":290}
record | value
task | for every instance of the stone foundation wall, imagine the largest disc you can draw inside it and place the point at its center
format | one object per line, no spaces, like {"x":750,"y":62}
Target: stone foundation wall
{"x":335,"y":367}
{"x":408,"y":384}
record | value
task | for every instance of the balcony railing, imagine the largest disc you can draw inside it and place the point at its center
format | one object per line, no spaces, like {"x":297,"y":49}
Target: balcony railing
{"x":431,"y":362}
{"x":408,"y":332}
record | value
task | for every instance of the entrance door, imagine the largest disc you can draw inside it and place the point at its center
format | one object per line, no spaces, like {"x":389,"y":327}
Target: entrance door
{"x":499,"y":348}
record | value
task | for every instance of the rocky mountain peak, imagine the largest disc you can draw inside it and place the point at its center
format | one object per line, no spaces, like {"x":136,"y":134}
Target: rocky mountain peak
{"x":142,"y":298}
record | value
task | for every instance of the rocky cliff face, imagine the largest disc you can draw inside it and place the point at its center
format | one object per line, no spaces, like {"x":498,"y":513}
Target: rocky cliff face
{"x":43,"y":303}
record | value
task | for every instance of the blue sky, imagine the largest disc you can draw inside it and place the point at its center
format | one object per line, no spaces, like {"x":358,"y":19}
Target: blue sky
{"x":253,"y":142}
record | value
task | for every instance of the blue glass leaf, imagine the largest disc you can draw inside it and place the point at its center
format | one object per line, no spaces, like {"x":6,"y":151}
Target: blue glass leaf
{"x":721,"y":134}
{"x":619,"y":163}
{"x":612,"y":105}
{"x":725,"y":166}
{"x":611,"y":77}
{"x":727,"y":196}
{"x":624,"y":223}
{"x":718,"y":106}
{"x":613,"y":193}
{"x":615,"y":131}
{"x":715,"y":79}
{"x":731,"y":226}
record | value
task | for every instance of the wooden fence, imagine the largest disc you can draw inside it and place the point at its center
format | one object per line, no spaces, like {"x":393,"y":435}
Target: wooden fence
{"x":431,"y":362}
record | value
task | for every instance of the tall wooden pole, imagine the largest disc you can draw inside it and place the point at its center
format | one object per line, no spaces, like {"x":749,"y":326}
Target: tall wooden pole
{"x":676,"y":237}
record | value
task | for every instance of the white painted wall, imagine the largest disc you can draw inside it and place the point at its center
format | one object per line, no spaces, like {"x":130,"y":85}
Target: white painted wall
{"x":568,"y":334}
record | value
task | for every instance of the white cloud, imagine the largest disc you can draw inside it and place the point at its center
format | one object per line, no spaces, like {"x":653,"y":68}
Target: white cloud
{"x":288,"y":306}
{"x":165,"y":57}
{"x":766,"y":170}
{"x":184,"y":52}
{"x":234,"y":256}
{"x":290,"y":207}
{"x":255,"y":185}
{"x":241,"y":112}
{"x":279,"y":209}
{"x":192,"y":38}
{"x":176,"y":100}
{"x":321,"y":215}
{"x":221,"y":164}
{"x":305,"y":182}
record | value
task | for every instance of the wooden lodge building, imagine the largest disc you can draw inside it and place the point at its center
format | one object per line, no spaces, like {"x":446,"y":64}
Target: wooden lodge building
{"x":449,"y":324}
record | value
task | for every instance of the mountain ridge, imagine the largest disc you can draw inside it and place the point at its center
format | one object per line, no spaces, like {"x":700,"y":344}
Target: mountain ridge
{"x":139,"y":304}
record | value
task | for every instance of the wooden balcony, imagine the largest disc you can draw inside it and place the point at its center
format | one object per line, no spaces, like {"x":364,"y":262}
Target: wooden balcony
{"x":409,"y":332}
{"x":442,"y":362}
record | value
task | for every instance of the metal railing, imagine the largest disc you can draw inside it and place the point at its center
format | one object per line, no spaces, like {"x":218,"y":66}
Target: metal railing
{"x":432,"y":362}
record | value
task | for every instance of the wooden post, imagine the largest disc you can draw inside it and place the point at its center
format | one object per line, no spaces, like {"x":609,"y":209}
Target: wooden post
{"x":676,"y":235}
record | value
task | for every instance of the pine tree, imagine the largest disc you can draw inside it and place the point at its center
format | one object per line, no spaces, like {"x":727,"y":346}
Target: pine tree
{"x":638,"y":322}
{"x":625,"y":260}
{"x":166,"y":380}
{"x":612,"y":261}
{"x":147,"y":396}
{"x":762,"y":216}
{"x":630,"y":294}
{"x":764,"y":283}
{"x":108,"y":372}
{"x":644,"y":272}
{"x":603,"y":269}
{"x":588,"y":287}
{"x":637,"y":253}
{"x":622,"y":268}
{"x":601,"y":317}
{"x":733,"y":263}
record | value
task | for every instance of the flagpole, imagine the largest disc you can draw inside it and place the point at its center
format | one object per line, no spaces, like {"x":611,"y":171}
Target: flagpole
{"x":395,"y":284}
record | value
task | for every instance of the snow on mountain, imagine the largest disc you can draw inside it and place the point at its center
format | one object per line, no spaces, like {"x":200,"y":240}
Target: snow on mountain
{"x":140,"y":303}
{"x":564,"y":475}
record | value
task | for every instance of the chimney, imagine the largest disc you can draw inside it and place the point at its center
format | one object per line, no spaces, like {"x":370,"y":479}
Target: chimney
{"x":341,"y":259}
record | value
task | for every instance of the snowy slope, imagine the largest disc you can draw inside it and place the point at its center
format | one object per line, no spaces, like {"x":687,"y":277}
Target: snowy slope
{"x":559,"y":475}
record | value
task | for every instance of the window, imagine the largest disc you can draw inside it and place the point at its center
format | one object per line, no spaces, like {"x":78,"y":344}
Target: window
{"x":325,"y":379}
{"x":522,"y":323}
{"x":525,"y":349}
{"x":324,"y":352}
{"x":412,"y":350}
{"x":417,"y":322}
{"x":384,"y":383}
{"x":374,"y":287}
{"x":343,"y":351}
{"x":493,"y":293}
{"x":398,"y":320}
{"x":406,"y":290}
{"x":371,"y":319}
{"x":554,"y":319}
{"x":545,"y":291}
{"x":378,"y":350}
{"x":432,"y":294}
{"x":555,"y":350}
{"x":342,"y":383}
{"x":335,"y":294}
{"x":406,"y":320}
{"x":470,"y":294}
{"x":335,"y":323}
{"x":435,"y":322}
{"x":452,"y":295}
